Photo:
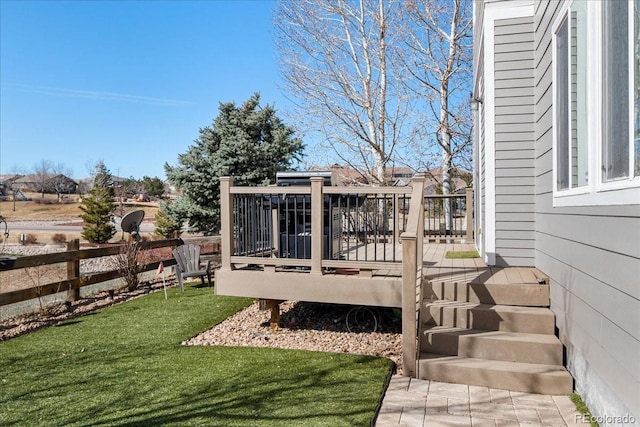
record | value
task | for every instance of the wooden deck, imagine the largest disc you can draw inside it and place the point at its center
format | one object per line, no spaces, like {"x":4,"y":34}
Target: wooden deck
{"x":354,"y":281}
{"x":438,"y":269}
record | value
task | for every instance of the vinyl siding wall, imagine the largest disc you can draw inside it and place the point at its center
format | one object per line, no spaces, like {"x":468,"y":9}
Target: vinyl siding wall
{"x":514,"y":141}
{"x":592,"y":256}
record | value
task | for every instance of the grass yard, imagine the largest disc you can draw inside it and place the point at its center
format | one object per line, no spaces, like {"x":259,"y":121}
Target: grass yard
{"x":124,"y":365}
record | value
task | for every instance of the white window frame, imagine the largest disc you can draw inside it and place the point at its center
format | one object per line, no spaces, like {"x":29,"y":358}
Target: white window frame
{"x":625,"y":191}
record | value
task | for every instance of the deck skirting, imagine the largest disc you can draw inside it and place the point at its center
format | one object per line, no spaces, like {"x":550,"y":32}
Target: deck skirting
{"x":303,"y":286}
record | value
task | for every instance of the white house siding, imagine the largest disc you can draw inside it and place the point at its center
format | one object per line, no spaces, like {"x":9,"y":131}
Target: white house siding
{"x":514,"y":138}
{"x":592,"y":256}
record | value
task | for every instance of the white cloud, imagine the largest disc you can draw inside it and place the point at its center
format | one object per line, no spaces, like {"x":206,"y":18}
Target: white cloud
{"x":107,"y":96}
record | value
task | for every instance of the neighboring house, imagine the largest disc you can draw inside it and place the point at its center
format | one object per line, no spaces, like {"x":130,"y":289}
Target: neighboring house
{"x":398,"y":176}
{"x":557,"y":174}
{"x":50,"y":183}
{"x":433,"y":183}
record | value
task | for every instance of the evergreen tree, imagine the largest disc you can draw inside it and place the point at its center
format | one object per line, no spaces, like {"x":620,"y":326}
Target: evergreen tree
{"x":153,"y":186}
{"x":102,"y":177}
{"x":98,"y":208}
{"x":168,"y":223}
{"x":248,"y":142}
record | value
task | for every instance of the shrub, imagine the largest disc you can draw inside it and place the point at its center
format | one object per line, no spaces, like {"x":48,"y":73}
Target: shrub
{"x":130,"y":264}
{"x":32,"y":239}
{"x":59,"y":238}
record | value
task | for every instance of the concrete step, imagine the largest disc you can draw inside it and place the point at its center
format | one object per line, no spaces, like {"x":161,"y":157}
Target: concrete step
{"x":533,"y":320}
{"x":525,"y":294}
{"x":493,"y":345}
{"x":525,"y":377}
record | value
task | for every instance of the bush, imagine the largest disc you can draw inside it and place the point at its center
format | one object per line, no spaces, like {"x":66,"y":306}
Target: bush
{"x":59,"y":238}
{"x":32,"y":239}
{"x":130,"y":264}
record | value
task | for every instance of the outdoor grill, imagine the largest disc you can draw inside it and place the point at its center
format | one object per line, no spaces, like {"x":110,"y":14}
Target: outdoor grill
{"x":294,"y":218}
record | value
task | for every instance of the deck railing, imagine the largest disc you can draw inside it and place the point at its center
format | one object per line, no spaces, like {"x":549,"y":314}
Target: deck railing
{"x":318,"y":227}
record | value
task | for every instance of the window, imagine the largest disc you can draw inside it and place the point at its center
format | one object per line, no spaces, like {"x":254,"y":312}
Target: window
{"x":596,"y":51}
{"x":571,"y":100}
{"x":615,"y":92}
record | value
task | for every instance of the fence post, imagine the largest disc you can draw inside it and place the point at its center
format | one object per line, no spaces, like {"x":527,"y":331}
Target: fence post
{"x":469,"y":214}
{"x":226,"y":223}
{"x":73,"y":270}
{"x":317,"y":229}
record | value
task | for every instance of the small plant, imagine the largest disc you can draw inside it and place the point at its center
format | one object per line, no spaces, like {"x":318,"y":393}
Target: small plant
{"x":31,"y":239}
{"x":582,"y":408}
{"x":129,"y":265}
{"x":59,"y":238}
{"x":37,"y":275}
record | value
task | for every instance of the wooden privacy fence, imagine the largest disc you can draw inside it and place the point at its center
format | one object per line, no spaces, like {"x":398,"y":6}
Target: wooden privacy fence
{"x":74,"y":280}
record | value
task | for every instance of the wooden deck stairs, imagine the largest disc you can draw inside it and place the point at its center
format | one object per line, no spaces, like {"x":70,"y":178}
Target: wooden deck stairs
{"x":491,"y":334}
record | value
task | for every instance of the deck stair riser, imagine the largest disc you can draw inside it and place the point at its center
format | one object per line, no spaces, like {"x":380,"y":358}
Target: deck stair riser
{"x":525,"y":294}
{"x":493,"y":330}
{"x":534,"y":320}
{"x":493,"y":345}
{"x":525,"y":377}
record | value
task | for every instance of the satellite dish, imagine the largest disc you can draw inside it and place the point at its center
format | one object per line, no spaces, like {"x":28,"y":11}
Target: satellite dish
{"x":131,"y":223}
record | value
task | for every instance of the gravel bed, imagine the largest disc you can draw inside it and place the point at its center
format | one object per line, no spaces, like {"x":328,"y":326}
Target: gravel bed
{"x":307,"y":326}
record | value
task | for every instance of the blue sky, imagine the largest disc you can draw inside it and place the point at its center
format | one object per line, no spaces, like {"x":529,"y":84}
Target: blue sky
{"x":126,"y":82}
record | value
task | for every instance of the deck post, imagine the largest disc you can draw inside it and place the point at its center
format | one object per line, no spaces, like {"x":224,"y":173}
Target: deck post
{"x":226,"y":222}
{"x":469,"y":216}
{"x":412,"y":253}
{"x":409,"y":319}
{"x":317,"y":213}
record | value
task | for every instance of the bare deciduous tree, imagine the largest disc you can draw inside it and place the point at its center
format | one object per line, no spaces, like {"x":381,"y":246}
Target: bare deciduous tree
{"x":437,"y":55}
{"x":42,"y":175}
{"x":335,"y":60}
{"x":60,"y":180}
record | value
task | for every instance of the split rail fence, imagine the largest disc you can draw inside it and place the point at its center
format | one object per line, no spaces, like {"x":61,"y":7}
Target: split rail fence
{"x":75,"y":280}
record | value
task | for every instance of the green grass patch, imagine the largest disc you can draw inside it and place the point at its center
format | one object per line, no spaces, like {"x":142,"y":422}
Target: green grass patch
{"x":124,"y":365}
{"x":582,"y":408}
{"x":461,"y":254}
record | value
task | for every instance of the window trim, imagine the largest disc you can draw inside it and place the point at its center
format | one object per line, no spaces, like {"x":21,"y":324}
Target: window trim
{"x":624,"y":191}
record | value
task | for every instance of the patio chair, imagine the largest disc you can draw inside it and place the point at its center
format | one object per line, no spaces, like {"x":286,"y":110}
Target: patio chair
{"x":188,"y":264}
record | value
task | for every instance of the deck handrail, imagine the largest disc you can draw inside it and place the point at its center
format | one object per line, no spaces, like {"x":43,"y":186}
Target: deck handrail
{"x":412,"y":255}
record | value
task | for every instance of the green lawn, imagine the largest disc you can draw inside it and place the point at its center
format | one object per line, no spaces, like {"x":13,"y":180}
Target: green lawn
{"x":124,"y":366}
